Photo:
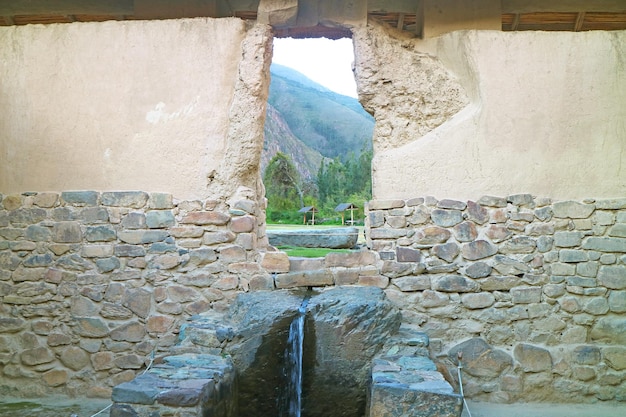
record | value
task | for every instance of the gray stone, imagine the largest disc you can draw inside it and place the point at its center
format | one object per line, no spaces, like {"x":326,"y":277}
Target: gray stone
{"x":480,"y":359}
{"x":107,"y":264}
{"x":545,"y":243}
{"x":318,"y":278}
{"x":465,"y":232}
{"x":586,"y":355}
{"x":478,"y":270}
{"x":74,"y":358}
{"x":387,"y":233}
{"x":350,"y":259}
{"x":477,"y":213}
{"x":67,"y":232}
{"x":394,"y":269}
{"x":533,"y":358}
{"x":432,"y":235}
{"x":421,"y":215}
{"x":100,"y":234}
{"x":73,"y":262}
{"x":544,"y":213}
{"x":133,"y":199}
{"x":134,"y":221}
{"x":478,"y":300}
{"x":37,"y":261}
{"x":408,"y":255}
{"x":135,"y":237}
{"x":617,"y":301}
{"x":609,"y":330}
{"x":38,"y":233}
{"x":611,"y":204}
{"x":619,"y":230}
{"x":129,"y":250}
{"x":597,"y":306}
{"x":157,"y":219}
{"x":214,"y":238}
{"x":160,"y":201}
{"x":581,"y":282}
{"x":605,"y":244}
{"x":612,"y":277}
{"x":454,"y":283}
{"x":447,"y":252}
{"x":446,"y":218}
{"x":615,"y":357}
{"x":91,"y":327}
{"x":519,"y":244}
{"x":568,"y":239}
{"x":572,"y":209}
{"x":335,"y":238}
{"x":526,"y":295}
{"x":478,"y":249}
{"x":490,"y":201}
{"x":588,"y":269}
{"x":80,"y":198}
{"x":412,"y":283}
{"x":376,"y":219}
{"x":92,"y":215}
{"x":451,"y":204}
{"x":129,"y":332}
{"x":138,"y":300}
{"x":521,"y":200}
{"x":573,"y":255}
{"x":385,"y":204}
{"x":36,"y":356}
{"x":206,"y":218}
{"x":162,"y":247}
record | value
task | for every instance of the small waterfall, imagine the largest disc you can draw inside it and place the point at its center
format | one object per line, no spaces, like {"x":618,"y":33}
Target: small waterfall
{"x":293,"y":362}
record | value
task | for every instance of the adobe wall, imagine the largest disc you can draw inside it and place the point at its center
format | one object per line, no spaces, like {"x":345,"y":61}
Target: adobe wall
{"x":134,"y":105}
{"x":488,"y":112}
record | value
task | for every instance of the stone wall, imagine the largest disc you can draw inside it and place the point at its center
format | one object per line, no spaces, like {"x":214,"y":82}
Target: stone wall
{"x":92,"y":285}
{"x":532,"y":291}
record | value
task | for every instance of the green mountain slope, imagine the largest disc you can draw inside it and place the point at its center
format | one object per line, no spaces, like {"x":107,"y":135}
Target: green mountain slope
{"x":299,"y":109}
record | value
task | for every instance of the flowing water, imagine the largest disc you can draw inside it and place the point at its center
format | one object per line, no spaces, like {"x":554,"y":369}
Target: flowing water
{"x":293,"y":365}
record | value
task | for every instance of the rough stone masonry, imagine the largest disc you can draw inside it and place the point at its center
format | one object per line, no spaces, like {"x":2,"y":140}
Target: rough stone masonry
{"x":532,"y":291}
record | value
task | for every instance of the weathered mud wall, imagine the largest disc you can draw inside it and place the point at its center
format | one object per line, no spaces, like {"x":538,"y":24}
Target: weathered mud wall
{"x":137,"y":105}
{"x":487,"y":112}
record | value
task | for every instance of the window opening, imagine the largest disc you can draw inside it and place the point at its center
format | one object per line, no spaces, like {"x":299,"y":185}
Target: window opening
{"x":318,"y":138}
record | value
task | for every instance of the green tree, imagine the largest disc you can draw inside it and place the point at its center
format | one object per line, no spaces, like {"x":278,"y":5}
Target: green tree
{"x":282,"y":182}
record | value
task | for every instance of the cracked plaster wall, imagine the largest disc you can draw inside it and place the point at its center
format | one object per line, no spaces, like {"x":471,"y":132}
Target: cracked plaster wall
{"x":472,"y":113}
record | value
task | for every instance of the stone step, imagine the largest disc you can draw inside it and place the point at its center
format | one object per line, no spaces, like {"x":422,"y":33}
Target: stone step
{"x":183,"y":385}
{"x":405,"y":381}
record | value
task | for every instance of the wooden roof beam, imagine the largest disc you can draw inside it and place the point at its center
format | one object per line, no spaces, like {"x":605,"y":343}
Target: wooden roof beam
{"x":533,"y":6}
{"x":65,"y":7}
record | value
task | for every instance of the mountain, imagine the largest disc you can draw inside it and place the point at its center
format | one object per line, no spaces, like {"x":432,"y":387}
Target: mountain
{"x":309,"y":122}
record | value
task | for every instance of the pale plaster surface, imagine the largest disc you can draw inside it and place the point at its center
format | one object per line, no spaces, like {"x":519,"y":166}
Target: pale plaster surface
{"x":135,"y":105}
{"x":546,"y":116}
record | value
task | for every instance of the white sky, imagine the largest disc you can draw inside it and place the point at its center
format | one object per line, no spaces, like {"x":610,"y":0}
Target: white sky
{"x":325,"y":61}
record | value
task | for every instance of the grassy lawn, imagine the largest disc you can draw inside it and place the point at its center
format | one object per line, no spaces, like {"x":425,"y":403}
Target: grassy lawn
{"x":309,"y":252}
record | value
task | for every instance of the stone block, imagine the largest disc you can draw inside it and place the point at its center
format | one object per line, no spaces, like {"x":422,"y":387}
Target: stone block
{"x":454,"y":283}
{"x":476,"y":213}
{"x":129,"y":250}
{"x":465,"y":232}
{"x":478,"y":300}
{"x":204,"y":218}
{"x":160,"y":201}
{"x":317,"y":278}
{"x":611,"y":204}
{"x":37,"y":260}
{"x":385,"y":204}
{"x":615,"y":357}
{"x":275,"y":261}
{"x":379,"y":281}
{"x":612,"y":277}
{"x":91,"y":327}
{"x":491,"y":201}
{"x":100,"y":234}
{"x":80,"y":198}
{"x":448,"y":251}
{"x":404,"y":254}
{"x":432,"y":235}
{"x":618,"y":230}
{"x":91,"y":215}
{"x":386,"y":233}
{"x":243,"y":224}
{"x":134,"y":221}
{"x":350,"y":259}
{"x":446,"y":218}
{"x":160,"y":219}
{"x":478,"y":249}
{"x":394,"y":269}
{"x":581,"y":282}
{"x":526,"y":295}
{"x":451,"y":204}
{"x":478,"y":270}
{"x":533,"y":358}
{"x":215,"y":238}
{"x":133,"y":199}
{"x":572,"y":209}
{"x":67,"y":232}
{"x":412,"y":283}
{"x":617,"y":301}
{"x":519,"y":244}
{"x":568,"y":239}
{"x":597,"y":306}
{"x":186,"y":231}
{"x":609,"y":330}
{"x":480,"y":359}
{"x":605,"y":244}
{"x":36,"y":356}
{"x":586,"y":355}
{"x":74,"y":358}
{"x":129,"y":332}
{"x":38,"y":233}
{"x":55,"y":377}
{"x":573,"y":255}
{"x":135,"y":237}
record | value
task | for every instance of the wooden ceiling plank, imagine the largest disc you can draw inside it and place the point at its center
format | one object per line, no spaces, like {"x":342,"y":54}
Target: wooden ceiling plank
{"x":65,"y":7}
{"x":529,"y":6}
{"x":580,"y":20}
